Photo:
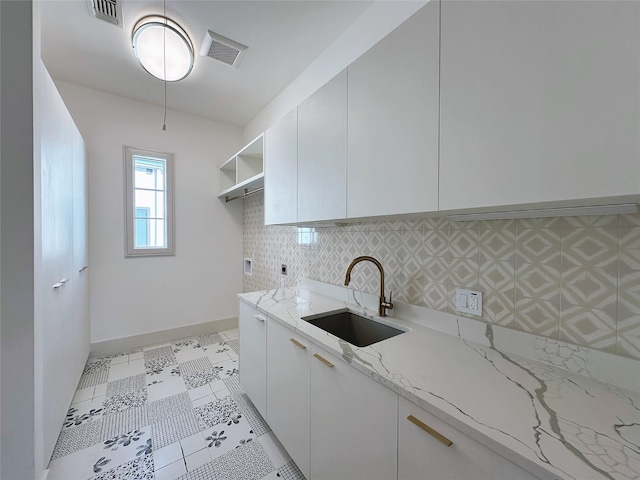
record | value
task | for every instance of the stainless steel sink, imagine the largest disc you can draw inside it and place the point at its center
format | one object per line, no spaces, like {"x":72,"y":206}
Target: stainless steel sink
{"x":352,"y":328}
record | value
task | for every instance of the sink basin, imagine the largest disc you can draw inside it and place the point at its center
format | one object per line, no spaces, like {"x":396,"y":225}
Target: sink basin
{"x":352,"y":328}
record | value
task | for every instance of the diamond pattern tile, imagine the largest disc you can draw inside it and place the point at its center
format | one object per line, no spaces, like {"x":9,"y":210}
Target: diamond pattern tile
{"x":541,"y":317}
{"x":593,"y":247}
{"x":588,"y":326}
{"x":525,"y":267}
{"x":537,"y":245}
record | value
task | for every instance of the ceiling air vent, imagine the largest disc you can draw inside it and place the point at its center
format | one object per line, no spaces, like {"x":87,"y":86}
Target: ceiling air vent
{"x":222,"y":49}
{"x":107,"y":10}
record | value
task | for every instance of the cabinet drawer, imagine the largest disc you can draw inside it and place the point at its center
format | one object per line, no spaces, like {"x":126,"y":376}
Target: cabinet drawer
{"x":424,"y":451}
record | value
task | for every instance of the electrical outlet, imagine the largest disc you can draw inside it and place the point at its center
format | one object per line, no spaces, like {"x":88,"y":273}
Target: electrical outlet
{"x":283,"y":269}
{"x":469,"y":301}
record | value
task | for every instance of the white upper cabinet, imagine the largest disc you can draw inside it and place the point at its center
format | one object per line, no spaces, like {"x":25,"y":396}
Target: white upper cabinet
{"x":393,"y":121}
{"x":540,"y":102}
{"x":281,"y":171}
{"x":322,"y":153}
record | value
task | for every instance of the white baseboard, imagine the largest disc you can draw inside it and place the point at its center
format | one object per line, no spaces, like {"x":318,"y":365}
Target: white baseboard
{"x":137,"y":341}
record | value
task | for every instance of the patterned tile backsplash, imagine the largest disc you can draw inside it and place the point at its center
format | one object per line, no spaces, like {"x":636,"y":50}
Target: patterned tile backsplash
{"x":576,"y":279}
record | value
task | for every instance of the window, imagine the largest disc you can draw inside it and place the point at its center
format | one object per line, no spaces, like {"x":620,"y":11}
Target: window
{"x":149,"y":202}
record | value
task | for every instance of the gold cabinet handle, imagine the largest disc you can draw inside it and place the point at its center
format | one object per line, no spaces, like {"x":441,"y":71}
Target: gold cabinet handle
{"x":430,"y":431}
{"x":297,"y":343}
{"x":323,"y":360}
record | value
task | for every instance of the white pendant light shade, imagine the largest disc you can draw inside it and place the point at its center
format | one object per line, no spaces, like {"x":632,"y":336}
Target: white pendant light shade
{"x":161,"y":45}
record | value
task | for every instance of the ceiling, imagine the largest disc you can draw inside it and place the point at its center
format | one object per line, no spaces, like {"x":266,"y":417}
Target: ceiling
{"x":283,"y":38}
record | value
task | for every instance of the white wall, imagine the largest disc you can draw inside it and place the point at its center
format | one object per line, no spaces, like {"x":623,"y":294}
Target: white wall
{"x":132,"y":296}
{"x":378,"y":21}
{"x":17,"y":450}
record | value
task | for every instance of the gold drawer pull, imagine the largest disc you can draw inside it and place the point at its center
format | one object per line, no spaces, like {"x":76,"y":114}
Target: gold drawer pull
{"x":430,"y":431}
{"x":323,"y":360}
{"x":297,"y":343}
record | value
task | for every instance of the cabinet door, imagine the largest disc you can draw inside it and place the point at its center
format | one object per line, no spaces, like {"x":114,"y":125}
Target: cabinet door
{"x":288,"y":391}
{"x":422,"y":456}
{"x":253,"y":355}
{"x":80,"y":270}
{"x":353,"y":423}
{"x":540,"y":101}
{"x":393,"y":121}
{"x":281,"y":171}
{"x":322,"y":153}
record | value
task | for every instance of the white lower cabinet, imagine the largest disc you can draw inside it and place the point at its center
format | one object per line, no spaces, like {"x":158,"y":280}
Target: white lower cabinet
{"x":337,"y":423}
{"x":422,"y":456}
{"x":353,"y":423}
{"x":253,"y":355}
{"x":288,"y":391}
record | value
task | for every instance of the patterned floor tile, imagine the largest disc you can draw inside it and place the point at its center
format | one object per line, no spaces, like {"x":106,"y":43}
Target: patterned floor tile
{"x":290,"y":471}
{"x":119,"y":403}
{"x":79,"y":438}
{"x":234,"y":344}
{"x":195,"y":366}
{"x":233,"y":384}
{"x":156,"y":365}
{"x":130,"y":419}
{"x":123,"y":448}
{"x":159,"y":352}
{"x":252,"y":415}
{"x":139,"y":469}
{"x":217,"y":412}
{"x":95,"y":373}
{"x":173,"y":429}
{"x":126,"y":385}
{"x":212,"y":339}
{"x":248,"y":462}
{"x":165,"y":389}
{"x":83,"y":412}
{"x":169,"y":407}
{"x":115,"y":428}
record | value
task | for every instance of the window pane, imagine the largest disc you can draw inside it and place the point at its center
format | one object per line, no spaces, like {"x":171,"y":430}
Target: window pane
{"x":149,"y":173}
{"x":150,"y":201}
{"x":141,"y":233}
{"x":150,"y":233}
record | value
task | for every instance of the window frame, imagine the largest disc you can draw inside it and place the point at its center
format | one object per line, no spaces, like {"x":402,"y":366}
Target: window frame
{"x":129,"y":203}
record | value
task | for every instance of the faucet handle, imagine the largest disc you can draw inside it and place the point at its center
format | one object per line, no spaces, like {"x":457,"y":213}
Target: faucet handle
{"x":388,"y":305}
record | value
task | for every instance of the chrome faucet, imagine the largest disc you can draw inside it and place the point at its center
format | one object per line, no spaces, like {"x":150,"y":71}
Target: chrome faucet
{"x":384,"y":305}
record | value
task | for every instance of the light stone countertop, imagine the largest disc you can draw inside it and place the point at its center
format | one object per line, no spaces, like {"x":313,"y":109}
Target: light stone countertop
{"x":552,"y":422}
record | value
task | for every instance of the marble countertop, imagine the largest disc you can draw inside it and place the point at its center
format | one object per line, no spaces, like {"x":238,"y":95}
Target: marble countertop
{"x":552,"y":422}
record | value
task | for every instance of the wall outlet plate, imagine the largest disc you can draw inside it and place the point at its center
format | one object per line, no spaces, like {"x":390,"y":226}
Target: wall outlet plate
{"x":248,"y":266}
{"x":469,"y":301}
{"x":283,"y":269}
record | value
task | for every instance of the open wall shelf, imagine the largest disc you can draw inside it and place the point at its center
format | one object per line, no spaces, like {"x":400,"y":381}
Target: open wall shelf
{"x":244,"y":172}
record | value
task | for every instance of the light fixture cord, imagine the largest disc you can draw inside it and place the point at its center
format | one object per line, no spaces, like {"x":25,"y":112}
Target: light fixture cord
{"x":164,"y":61}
